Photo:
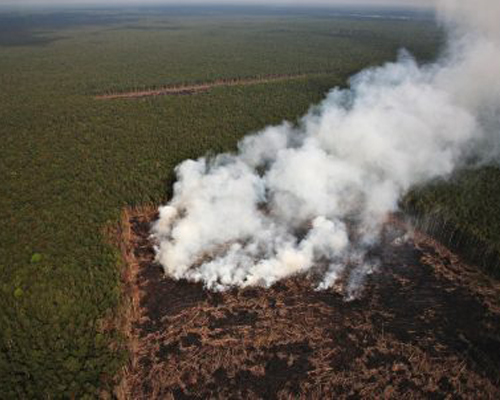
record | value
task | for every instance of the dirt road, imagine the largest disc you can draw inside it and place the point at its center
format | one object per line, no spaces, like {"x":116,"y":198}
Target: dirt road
{"x":180,"y":90}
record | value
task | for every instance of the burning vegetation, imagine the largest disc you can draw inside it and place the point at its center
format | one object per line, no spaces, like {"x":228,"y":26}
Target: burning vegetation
{"x":426,"y":325}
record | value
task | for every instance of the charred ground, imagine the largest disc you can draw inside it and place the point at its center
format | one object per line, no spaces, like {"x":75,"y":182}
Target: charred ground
{"x":426,"y":325}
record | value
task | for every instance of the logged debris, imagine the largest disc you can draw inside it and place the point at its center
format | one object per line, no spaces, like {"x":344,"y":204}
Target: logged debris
{"x":425,"y":326}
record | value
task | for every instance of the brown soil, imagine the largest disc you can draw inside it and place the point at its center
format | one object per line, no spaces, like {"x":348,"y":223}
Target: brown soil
{"x":199,"y":88}
{"x":425,"y":326}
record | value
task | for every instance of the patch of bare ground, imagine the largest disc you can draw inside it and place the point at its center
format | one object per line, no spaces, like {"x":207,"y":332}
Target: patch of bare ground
{"x":425,"y":326}
{"x":180,"y":90}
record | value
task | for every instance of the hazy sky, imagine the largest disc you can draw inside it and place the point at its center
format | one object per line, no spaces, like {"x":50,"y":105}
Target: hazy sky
{"x":232,"y":2}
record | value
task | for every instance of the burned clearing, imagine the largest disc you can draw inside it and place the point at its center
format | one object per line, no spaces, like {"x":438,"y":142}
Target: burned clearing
{"x":426,"y":325}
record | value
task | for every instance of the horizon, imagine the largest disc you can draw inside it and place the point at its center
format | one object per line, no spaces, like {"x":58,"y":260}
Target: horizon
{"x":77,"y":4}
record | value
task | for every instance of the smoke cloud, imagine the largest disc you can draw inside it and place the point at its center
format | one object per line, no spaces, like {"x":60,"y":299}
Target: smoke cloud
{"x":313,"y":198}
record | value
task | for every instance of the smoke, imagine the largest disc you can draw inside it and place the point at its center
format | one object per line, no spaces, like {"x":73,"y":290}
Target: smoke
{"x":471,"y":75}
{"x":313,"y":198}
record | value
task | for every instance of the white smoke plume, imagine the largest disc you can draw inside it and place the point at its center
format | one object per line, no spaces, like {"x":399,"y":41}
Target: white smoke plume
{"x":312,"y":198}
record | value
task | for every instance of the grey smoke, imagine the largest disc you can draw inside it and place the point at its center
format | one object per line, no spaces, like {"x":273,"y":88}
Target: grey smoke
{"x":313,"y":198}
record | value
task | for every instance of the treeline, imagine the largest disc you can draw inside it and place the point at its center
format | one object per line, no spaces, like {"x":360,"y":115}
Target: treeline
{"x":463,"y":213}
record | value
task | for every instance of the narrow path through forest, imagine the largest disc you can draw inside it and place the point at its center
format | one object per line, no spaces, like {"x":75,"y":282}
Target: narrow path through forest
{"x":187,"y":89}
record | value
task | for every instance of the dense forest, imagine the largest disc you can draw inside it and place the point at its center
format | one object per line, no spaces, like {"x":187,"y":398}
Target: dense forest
{"x":70,"y":163}
{"x":462,"y":212}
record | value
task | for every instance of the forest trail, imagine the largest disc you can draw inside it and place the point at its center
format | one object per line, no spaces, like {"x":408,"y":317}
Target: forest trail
{"x":189,"y":89}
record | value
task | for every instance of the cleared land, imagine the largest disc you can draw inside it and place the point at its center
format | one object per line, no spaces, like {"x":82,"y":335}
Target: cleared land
{"x":425,"y":326}
{"x":204,"y":87}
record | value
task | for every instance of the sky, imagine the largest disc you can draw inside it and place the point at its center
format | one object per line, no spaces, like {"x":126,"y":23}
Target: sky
{"x":420,"y":3}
